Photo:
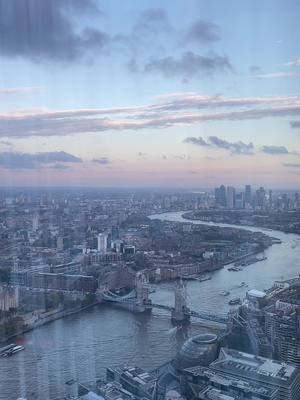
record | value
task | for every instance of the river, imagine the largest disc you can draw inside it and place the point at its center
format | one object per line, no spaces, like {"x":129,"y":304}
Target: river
{"x":82,"y":345}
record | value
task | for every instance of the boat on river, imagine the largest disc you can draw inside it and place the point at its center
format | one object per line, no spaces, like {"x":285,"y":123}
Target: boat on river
{"x":235,"y":268}
{"x":234,"y":301}
{"x":11,"y":350}
{"x":225,"y":293}
{"x":204,"y":278}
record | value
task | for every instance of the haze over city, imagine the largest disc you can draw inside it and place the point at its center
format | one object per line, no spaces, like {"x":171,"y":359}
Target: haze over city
{"x":177,"y":94}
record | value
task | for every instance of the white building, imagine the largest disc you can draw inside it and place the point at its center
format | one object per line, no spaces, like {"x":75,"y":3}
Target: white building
{"x":102,"y":243}
{"x":8,"y":298}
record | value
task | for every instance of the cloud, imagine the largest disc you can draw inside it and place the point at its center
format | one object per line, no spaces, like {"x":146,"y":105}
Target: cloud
{"x":151,"y":20}
{"x":203,"y":32}
{"x":278,"y":150}
{"x":181,"y":157}
{"x":279,"y":74}
{"x":234,"y":147}
{"x":275,"y":150}
{"x":240,"y":147}
{"x":151,"y":33}
{"x":169,"y":111}
{"x":142,"y":155}
{"x":102,"y":160}
{"x":294,"y":63}
{"x":60,"y":166}
{"x":22,"y":89}
{"x":43,"y":30}
{"x":198,"y":141}
{"x":255,"y":69}
{"x":188,"y":64}
{"x":14,"y":160}
{"x":295,"y":124}
{"x":291,"y":165}
{"x":177,"y":101}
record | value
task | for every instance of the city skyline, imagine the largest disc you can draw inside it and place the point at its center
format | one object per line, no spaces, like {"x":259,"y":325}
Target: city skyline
{"x":149,"y":94}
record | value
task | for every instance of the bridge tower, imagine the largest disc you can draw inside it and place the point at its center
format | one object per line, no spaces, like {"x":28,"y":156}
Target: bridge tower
{"x":180,"y":311}
{"x":143,"y":303}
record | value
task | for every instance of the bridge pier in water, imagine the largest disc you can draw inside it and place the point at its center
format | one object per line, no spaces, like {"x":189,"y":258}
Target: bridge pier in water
{"x":180,"y":311}
{"x":143,"y":303}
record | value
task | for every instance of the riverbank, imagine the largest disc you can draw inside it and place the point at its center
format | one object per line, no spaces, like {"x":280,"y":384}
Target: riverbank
{"x":227,"y":217}
{"x":57,"y":314}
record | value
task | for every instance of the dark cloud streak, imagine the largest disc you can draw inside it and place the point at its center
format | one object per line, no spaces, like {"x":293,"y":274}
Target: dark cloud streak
{"x":188,"y":64}
{"x":275,"y":150}
{"x":239,"y":148}
{"x":15,"y":160}
{"x":102,"y":160}
{"x":292,"y":165}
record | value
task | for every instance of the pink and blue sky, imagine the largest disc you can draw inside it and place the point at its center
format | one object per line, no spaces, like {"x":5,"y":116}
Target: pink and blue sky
{"x":150,"y":93}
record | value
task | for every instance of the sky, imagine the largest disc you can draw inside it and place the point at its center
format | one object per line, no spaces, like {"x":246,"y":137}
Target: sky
{"x":153,"y":93}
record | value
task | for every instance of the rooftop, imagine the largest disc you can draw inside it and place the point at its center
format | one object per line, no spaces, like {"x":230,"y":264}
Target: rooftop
{"x":255,"y":368}
{"x":256,"y":293}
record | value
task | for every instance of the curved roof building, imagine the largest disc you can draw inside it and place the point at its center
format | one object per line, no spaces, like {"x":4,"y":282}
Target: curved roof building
{"x":198,"y":350}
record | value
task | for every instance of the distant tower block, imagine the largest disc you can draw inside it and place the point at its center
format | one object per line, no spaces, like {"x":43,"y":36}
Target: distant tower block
{"x":60,"y":243}
{"x":102,"y":243}
{"x":179,"y":314}
{"x":35,"y":223}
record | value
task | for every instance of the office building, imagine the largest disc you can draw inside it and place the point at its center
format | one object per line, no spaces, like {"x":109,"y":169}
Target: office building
{"x":238,"y":375}
{"x":9,"y":298}
{"x":220,"y":196}
{"x":239,"y":200}
{"x":260,"y":197}
{"x":128,"y":249}
{"x":248,"y":195}
{"x":102,"y":390}
{"x":134,"y":379}
{"x":115,"y":234}
{"x":283,"y":331}
{"x":230,"y":197}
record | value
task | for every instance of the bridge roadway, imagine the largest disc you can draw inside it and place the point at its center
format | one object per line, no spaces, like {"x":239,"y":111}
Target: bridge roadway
{"x":50,"y":290}
{"x":111,"y":297}
{"x":190,"y":313}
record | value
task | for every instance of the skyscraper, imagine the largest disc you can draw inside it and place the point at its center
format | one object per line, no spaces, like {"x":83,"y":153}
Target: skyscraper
{"x":115,"y":233}
{"x":220,"y":196}
{"x":239,"y":200}
{"x":248,"y":195}
{"x":260,"y":197}
{"x":230,"y":197}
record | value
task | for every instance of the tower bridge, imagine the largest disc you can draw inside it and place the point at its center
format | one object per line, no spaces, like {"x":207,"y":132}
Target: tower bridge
{"x":138,"y":300}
